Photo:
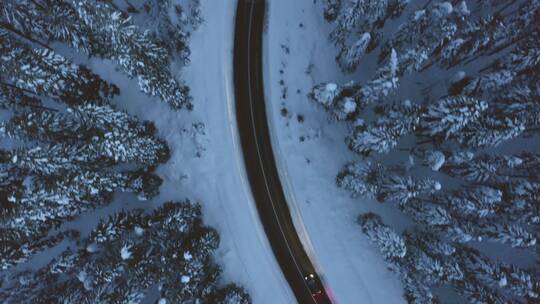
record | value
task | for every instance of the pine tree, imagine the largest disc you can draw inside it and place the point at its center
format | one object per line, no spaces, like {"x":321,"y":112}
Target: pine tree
{"x":361,"y":178}
{"x":141,"y":251}
{"x":386,"y":81}
{"x":17,"y":247}
{"x":135,"y":51}
{"x":448,"y":116}
{"x":490,"y":131}
{"x":15,"y":99}
{"x":357,"y":16}
{"x":391,"y":245}
{"x":46,"y":20}
{"x":474,"y":38}
{"x":90,"y":135}
{"x":422,"y":33}
{"x":349,"y":57}
{"x":42,"y":71}
{"x":49,"y":201}
{"x":394,"y":122}
{"x":331,"y":9}
{"x":337,"y":100}
{"x":402,"y":189}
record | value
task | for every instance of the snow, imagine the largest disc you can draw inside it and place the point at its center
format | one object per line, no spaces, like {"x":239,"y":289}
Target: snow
{"x":216,"y":178}
{"x":350,"y":105}
{"x":185,"y":279}
{"x":139,"y":231}
{"x":125,"y":254}
{"x":324,"y":215}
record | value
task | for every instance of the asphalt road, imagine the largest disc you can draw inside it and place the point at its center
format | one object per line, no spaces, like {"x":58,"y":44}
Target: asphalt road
{"x":258,"y":154}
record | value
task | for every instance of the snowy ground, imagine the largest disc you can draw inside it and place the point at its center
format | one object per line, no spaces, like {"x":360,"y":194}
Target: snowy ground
{"x":217,"y":178}
{"x":311,"y":150}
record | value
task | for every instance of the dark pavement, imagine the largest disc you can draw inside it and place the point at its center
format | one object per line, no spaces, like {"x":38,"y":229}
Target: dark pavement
{"x":259,"y":157}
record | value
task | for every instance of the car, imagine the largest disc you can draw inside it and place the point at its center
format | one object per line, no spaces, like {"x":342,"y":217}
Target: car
{"x":316,"y":288}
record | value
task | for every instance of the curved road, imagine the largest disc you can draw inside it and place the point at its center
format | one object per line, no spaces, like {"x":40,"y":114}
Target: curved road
{"x":259,"y":157}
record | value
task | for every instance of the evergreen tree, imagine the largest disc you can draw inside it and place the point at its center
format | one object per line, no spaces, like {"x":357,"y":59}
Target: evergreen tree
{"x":169,"y":248}
{"x":42,"y":71}
{"x":391,"y":245}
{"x":337,"y":100}
{"x":448,"y":116}
{"x":134,"y":50}
{"x":15,"y":99}
{"x":402,"y":189}
{"x":422,"y":33}
{"x":386,"y":81}
{"x":349,"y":57}
{"x":424,"y":261}
{"x":361,"y":178}
{"x":395,"y":121}
{"x":49,"y":201}
{"x":490,"y":131}
{"x":17,"y":247}
{"x":94,"y":135}
{"x":331,"y":9}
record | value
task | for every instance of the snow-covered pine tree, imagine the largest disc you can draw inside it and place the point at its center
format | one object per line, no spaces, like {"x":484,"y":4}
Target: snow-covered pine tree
{"x":424,"y":261}
{"x":417,"y":270}
{"x":49,"y":201}
{"x":382,"y":85}
{"x":173,"y":31}
{"x":420,"y":35}
{"x":44,"y":72}
{"x":474,"y":38}
{"x":402,"y":189}
{"x":478,"y":202}
{"x":11,"y":188}
{"x":91,"y":135}
{"x":358,"y":16}
{"x":17,"y":247}
{"x":45,"y":21}
{"x":490,"y":131}
{"x":522,"y":103}
{"x":470,"y":215}
{"x":13,"y":98}
{"x":447,"y":117}
{"x":349,"y":57}
{"x":485,"y":167}
{"x":331,"y":9}
{"x":517,"y":282}
{"x":460,"y":275}
{"x":361,"y":178}
{"x":169,"y":248}
{"x":134,"y":50}
{"x":520,"y":64}
{"x":359,"y":20}
{"x":391,"y":245}
{"x":394,"y":121}
{"x":337,"y":100}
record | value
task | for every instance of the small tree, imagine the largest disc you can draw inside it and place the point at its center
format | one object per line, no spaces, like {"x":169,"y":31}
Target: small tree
{"x":349,"y":57}
{"x":382,"y":85}
{"x":391,"y":245}
{"x":361,"y":178}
